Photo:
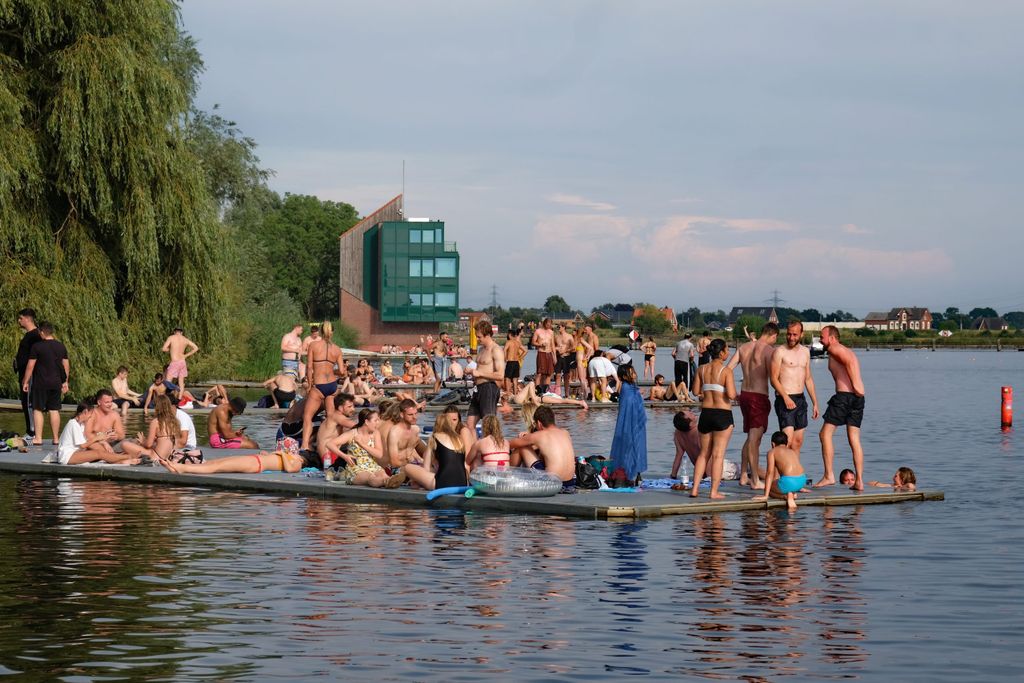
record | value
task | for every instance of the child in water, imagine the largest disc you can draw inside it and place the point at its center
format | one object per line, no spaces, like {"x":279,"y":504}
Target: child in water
{"x":847,"y":477}
{"x":903,"y":480}
{"x":784,"y":462}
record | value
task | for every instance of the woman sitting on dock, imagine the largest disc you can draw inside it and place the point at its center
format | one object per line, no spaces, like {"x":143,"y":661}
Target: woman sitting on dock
{"x":492,"y":449}
{"x":165,"y":432}
{"x":444,"y":464}
{"x":364,"y":461}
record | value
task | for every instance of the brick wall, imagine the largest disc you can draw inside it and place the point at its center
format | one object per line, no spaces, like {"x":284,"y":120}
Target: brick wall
{"x":373,"y":333}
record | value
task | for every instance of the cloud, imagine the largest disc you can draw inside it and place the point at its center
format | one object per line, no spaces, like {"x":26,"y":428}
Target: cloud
{"x":582,"y":202}
{"x":853,"y":229}
{"x":685,"y":200}
{"x":734,"y":224}
{"x":573,"y":239}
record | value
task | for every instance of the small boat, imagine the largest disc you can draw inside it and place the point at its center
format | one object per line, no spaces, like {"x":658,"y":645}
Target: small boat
{"x":817,"y":350}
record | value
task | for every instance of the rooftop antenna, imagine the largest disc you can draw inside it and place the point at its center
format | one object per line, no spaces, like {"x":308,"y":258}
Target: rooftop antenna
{"x":403,"y":182}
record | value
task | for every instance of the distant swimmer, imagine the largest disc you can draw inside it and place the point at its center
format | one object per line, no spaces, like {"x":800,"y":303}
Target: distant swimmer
{"x":790,"y":373}
{"x":845,"y":408}
{"x":179,"y":347}
{"x":904,"y":480}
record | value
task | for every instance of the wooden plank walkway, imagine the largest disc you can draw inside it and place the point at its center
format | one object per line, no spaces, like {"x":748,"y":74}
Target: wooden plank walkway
{"x":586,"y":505}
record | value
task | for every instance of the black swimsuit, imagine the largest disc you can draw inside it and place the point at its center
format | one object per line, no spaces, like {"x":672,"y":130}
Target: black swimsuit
{"x":451,"y":466}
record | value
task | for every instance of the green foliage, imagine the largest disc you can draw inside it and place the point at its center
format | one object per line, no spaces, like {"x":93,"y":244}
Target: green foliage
{"x":753,"y":323}
{"x":229,"y":161}
{"x":295,"y":241}
{"x":556,"y":304}
{"x":865,"y":332}
{"x":651,"y":321}
{"x":1015,"y":319}
{"x":107,"y":227}
{"x":982,"y":312}
{"x":910,"y":334}
{"x":950,"y":325}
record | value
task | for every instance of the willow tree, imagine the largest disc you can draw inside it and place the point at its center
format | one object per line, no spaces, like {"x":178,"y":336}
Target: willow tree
{"x":107,"y":226}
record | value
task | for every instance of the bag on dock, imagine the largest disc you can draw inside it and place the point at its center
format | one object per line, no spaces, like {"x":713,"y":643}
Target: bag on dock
{"x":186,"y":456}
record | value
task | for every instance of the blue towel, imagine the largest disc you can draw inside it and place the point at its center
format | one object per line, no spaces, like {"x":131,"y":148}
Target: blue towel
{"x":629,"y":445}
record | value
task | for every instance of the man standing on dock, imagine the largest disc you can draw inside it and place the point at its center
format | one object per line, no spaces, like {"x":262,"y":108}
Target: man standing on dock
{"x":179,"y":347}
{"x":27,"y":322}
{"x":544,"y":341}
{"x":845,"y":408}
{"x":47,"y":372}
{"x":490,"y":369}
{"x":439,"y":360}
{"x":683,"y":354}
{"x":291,"y":346}
{"x":756,"y":359}
{"x":790,"y":373}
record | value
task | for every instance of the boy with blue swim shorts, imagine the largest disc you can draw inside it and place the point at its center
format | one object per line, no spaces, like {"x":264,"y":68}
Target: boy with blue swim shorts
{"x":785,"y":476}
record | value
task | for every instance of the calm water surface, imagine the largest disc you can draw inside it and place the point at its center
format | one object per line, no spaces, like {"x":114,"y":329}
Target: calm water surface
{"x":108,"y":581}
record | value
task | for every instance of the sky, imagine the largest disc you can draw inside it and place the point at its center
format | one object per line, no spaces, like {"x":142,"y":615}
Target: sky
{"x":837,"y":155}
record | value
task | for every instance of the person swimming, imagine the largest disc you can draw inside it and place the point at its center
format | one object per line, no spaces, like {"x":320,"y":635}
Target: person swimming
{"x":904,"y":480}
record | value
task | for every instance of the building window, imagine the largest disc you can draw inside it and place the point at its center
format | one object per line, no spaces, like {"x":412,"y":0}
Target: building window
{"x":445,"y":267}
{"x":428,"y":300}
{"x":445,"y":299}
{"x":415,"y":300}
{"x":415,"y":236}
{"x":428,"y":236}
{"x":414,"y":267}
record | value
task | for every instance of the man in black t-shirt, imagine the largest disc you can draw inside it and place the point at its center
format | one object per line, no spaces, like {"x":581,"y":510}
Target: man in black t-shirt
{"x":47,"y":374}
{"x":27,"y":322}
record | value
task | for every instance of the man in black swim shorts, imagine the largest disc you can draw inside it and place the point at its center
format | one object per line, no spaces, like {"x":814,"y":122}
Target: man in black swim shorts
{"x":845,"y":408}
{"x":490,"y":369}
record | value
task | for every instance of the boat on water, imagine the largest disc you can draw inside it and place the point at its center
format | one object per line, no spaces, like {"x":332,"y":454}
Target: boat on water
{"x":817,"y":350}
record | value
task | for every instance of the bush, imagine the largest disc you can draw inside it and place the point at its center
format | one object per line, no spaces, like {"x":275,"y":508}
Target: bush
{"x":911,"y":334}
{"x":865,"y":332}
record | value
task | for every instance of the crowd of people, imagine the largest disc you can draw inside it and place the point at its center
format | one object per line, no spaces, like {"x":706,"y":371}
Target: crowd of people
{"x":380,"y":445}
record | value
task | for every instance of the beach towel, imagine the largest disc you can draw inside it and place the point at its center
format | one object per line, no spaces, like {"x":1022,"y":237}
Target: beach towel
{"x":629,"y":444}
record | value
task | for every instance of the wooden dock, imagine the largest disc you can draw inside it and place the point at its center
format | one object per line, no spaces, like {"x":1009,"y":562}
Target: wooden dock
{"x":585,"y":505}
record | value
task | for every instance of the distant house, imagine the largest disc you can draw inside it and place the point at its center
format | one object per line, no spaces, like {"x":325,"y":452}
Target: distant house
{"x":616,"y":317}
{"x":667,"y":312}
{"x":768,"y":313}
{"x":900,"y":319}
{"x":992,"y":324}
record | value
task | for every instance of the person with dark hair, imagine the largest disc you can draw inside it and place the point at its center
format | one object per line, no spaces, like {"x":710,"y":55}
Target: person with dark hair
{"x":703,"y":352}
{"x":548,"y":447}
{"x":179,"y":347}
{"x":683,"y":353}
{"x":27,"y":322}
{"x":490,"y":369}
{"x":106,"y":421}
{"x":544,"y":341}
{"x":282,"y":388}
{"x":404,"y":444}
{"x":903,"y":480}
{"x":686,"y":440}
{"x":845,"y":408}
{"x":47,"y":372}
{"x":716,"y":387}
{"x":222,"y":433}
{"x":76,"y":447}
{"x":341,"y":420}
{"x":124,"y":396}
{"x":784,"y":476}
{"x":629,"y":442}
{"x":755,"y":357}
{"x":278,"y":461}
{"x":847,"y":477}
{"x":649,"y":347}
{"x":514,"y":354}
{"x":364,"y":458}
{"x":790,"y":373}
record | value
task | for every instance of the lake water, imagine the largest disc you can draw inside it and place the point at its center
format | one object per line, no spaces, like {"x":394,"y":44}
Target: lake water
{"x":109,"y":581}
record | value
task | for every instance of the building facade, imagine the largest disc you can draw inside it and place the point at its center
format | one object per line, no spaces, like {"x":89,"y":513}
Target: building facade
{"x":900,"y":319}
{"x":399,"y":278}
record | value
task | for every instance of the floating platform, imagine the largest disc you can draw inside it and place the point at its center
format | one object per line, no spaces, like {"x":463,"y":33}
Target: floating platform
{"x":585,"y":505}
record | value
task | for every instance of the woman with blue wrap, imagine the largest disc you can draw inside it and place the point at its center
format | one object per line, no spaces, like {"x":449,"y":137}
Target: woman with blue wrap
{"x":629,"y":445}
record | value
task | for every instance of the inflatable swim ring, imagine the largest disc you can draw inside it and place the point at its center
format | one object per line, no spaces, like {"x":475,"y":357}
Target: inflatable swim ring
{"x":514,"y":482}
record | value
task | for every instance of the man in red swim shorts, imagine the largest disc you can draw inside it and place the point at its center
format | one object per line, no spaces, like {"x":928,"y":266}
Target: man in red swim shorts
{"x":756,"y":359}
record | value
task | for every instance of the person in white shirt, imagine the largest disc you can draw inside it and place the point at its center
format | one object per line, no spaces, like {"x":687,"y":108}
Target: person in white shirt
{"x":187,"y":425}
{"x":599,"y":370}
{"x":75,"y":448}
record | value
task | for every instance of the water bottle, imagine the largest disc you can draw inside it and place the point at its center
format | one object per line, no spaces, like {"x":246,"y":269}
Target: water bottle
{"x":327,"y":460}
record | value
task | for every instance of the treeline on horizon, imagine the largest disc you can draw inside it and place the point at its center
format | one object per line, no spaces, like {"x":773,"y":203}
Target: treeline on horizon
{"x":651,"y":321}
{"x":126,"y":211}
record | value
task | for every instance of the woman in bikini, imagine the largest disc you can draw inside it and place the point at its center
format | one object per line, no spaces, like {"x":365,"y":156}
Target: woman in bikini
{"x":715,"y":385}
{"x":444,"y":464}
{"x":649,"y":348}
{"x":528,"y":394}
{"x":322,"y":379}
{"x":584,"y":350}
{"x":165,"y":432}
{"x":364,"y":461}
{"x":492,"y":449}
{"x":278,"y":461}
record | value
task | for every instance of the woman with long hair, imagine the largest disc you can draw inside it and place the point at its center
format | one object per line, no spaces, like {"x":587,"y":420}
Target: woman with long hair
{"x":629,"y":444}
{"x":491,"y":449}
{"x":444,"y":463}
{"x":715,"y":385}
{"x":364,"y":461}
{"x":322,"y":379}
{"x":165,"y":432}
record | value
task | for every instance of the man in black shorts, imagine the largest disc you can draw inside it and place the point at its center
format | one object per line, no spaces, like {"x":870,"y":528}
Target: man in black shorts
{"x":845,"y":408}
{"x":27,"y":322}
{"x":47,"y":373}
{"x":490,"y":369}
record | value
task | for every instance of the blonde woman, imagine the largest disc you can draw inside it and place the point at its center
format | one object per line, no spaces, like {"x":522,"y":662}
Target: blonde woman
{"x":584,"y":350}
{"x":165,"y":432}
{"x":492,"y":449}
{"x":322,"y":378}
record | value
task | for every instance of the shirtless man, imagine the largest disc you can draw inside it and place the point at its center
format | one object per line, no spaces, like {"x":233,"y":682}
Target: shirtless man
{"x":490,"y":369}
{"x":282,"y":388}
{"x":845,"y":408}
{"x":756,"y":359}
{"x":313,"y":336}
{"x":702,"y":348}
{"x":565,"y":349}
{"x":342,"y":420}
{"x":125,"y":396}
{"x":439,"y":360}
{"x":547,"y":448}
{"x":661,"y":391}
{"x":544,"y":341}
{"x":686,"y":440}
{"x":403,"y":444}
{"x":179,"y":347}
{"x":291,"y":347}
{"x":591,"y":336}
{"x":790,"y":372}
{"x":514,"y":354}
{"x":105,"y":421}
{"x":222,"y":433}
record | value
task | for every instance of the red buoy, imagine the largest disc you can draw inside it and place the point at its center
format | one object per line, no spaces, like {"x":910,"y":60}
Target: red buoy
{"x":1007,"y":412}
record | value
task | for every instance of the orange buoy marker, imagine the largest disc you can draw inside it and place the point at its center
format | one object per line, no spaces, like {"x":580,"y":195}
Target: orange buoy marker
{"x":1007,"y":412}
